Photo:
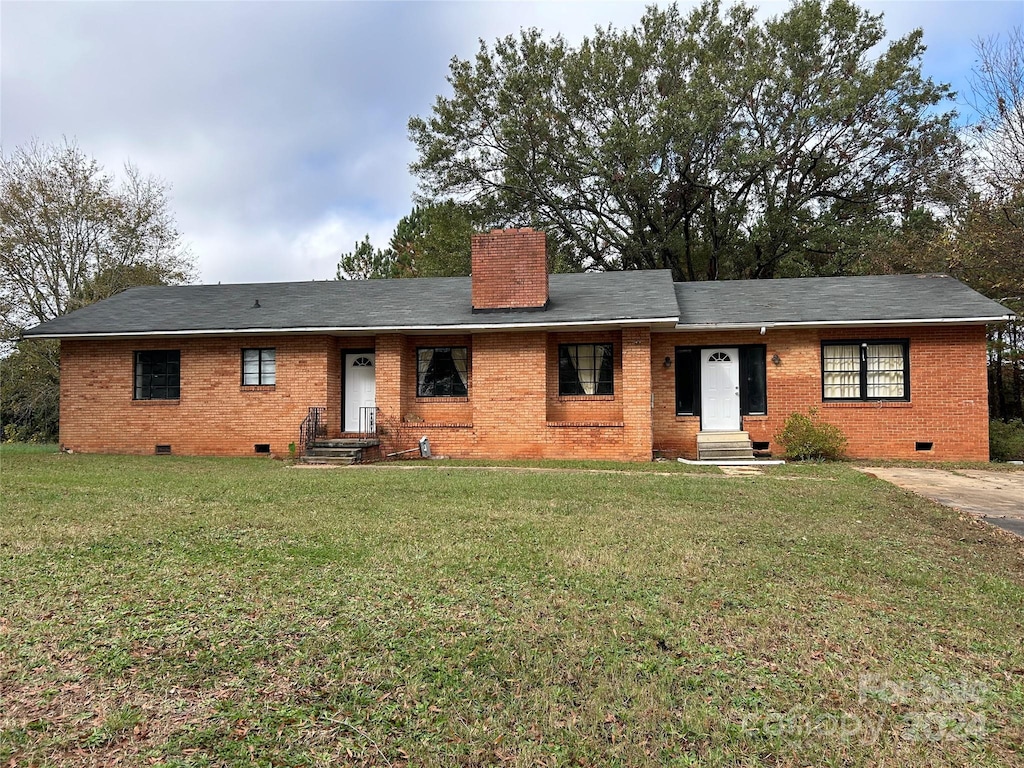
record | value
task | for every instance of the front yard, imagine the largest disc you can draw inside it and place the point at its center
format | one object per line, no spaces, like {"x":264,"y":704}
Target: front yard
{"x":195,"y":612}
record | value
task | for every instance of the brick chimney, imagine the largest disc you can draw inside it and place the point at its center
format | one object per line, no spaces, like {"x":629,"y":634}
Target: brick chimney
{"x":510,"y":270}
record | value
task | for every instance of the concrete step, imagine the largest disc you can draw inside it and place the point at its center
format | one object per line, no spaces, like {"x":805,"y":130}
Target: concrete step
{"x":722,"y":437}
{"x":332,"y":451}
{"x":346,"y":442}
{"x":742,"y":444}
{"x":334,"y":460}
{"x":725,"y":453}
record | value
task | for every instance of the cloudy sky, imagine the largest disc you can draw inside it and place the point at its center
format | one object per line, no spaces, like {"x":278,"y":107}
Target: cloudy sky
{"x":281,"y":127}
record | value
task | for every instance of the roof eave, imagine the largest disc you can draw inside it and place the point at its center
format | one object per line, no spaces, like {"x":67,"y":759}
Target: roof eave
{"x":568,"y":325}
{"x":844,"y":323}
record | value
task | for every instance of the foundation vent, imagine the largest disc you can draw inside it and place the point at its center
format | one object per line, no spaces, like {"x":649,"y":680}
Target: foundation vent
{"x":162,"y":450}
{"x":262,"y":448}
{"x":923,"y":446}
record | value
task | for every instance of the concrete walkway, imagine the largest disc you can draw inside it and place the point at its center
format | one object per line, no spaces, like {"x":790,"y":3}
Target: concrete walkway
{"x":996,"y":497}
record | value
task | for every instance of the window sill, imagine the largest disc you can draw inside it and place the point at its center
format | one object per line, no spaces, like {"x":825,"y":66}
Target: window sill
{"x":866,"y":404}
{"x":588,"y":398}
{"x":258,"y":388}
{"x":163,"y":402}
{"x":442,"y":399}
{"x":607,"y":424}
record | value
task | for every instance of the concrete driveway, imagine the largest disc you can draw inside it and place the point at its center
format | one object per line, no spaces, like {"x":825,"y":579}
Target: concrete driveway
{"x":996,"y":497}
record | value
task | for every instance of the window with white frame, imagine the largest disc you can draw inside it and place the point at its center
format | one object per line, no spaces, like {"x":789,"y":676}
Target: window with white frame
{"x":259,"y":367}
{"x":865,"y":370}
{"x":442,"y":372}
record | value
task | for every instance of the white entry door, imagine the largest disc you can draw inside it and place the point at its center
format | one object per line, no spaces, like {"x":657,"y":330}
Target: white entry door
{"x":720,"y":389}
{"x":360,"y":392}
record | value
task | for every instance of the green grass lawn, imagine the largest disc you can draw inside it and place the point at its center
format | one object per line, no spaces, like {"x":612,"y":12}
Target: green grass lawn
{"x":195,"y":612}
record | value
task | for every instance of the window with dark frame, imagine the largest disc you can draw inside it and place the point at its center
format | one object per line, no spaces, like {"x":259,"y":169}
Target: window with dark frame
{"x":259,"y":367}
{"x":158,"y":375}
{"x":865,"y":370}
{"x":442,"y":372}
{"x":585,"y":369}
{"x":753,"y":380}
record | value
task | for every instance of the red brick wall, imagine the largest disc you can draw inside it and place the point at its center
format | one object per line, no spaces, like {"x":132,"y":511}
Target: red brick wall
{"x":513,"y":409}
{"x":584,"y":409}
{"x":434,"y":410}
{"x":510,"y":269}
{"x":948,"y":392}
{"x":215,"y":414}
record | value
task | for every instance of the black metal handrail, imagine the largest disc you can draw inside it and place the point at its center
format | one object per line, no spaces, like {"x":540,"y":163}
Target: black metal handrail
{"x":368,"y":420}
{"x":312,"y":427}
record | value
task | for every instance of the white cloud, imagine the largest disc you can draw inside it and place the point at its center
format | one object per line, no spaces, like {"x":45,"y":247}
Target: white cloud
{"x":282,"y":127}
{"x":270,"y":253}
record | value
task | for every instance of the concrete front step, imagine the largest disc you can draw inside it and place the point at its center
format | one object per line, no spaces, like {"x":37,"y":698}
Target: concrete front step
{"x":333,"y":460}
{"x":721,"y":437}
{"x":332,"y":451}
{"x":347,"y":442}
{"x":726,"y":453}
{"x":744,"y":444}
{"x":339,"y":451}
{"x":724,"y":445}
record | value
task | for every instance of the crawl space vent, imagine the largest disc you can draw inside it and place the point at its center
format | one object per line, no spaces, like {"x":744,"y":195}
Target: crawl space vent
{"x":922,"y":446}
{"x":163,"y":450}
{"x":262,"y":447}
{"x":759,"y":445}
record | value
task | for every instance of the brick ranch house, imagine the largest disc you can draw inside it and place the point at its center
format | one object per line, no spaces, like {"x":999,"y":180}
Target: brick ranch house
{"x":514,"y":362}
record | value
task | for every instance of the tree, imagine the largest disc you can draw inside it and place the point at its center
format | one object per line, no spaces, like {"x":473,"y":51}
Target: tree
{"x":986,"y":253}
{"x":30,"y":392}
{"x":432,"y":240}
{"x":70,"y":235}
{"x":990,"y":237}
{"x":997,"y":98}
{"x":364,"y":262}
{"x":707,"y":144}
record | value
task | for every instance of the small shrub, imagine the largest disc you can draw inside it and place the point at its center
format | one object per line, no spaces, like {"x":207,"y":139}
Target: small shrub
{"x":1006,"y":440}
{"x":805,"y":436}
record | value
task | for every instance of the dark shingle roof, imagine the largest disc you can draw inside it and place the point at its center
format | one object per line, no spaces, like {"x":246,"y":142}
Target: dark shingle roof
{"x":815,"y":300}
{"x":577,"y":299}
{"x":424,"y":303}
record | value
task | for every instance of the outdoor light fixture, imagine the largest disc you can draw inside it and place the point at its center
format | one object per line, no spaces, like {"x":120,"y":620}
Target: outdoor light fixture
{"x":776,"y":360}
{"x":668,"y":362}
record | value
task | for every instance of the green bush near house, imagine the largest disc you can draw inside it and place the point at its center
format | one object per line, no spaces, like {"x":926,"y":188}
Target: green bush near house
{"x":1006,"y":440}
{"x":805,"y":436}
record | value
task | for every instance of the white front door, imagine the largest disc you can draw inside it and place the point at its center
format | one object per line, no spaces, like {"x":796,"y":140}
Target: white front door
{"x":720,"y":389}
{"x":360,"y":392}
